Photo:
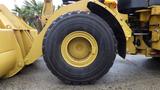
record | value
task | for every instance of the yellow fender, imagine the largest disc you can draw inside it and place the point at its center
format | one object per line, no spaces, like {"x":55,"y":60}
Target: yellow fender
{"x":118,"y":16}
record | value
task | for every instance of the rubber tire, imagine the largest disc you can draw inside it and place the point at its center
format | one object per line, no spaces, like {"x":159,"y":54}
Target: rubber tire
{"x":84,"y":21}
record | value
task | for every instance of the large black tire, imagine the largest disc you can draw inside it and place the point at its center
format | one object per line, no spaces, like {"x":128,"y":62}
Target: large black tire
{"x":95,"y":26}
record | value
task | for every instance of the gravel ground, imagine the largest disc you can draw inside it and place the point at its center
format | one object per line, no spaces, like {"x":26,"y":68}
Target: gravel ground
{"x":136,"y":73}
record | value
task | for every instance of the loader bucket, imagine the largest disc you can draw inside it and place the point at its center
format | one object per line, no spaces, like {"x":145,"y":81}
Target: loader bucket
{"x":16,"y":39}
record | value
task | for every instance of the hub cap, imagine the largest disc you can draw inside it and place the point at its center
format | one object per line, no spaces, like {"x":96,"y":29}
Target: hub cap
{"x":79,"y":49}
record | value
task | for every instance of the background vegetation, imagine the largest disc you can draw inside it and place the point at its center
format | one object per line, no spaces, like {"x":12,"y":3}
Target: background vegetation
{"x":30,"y":12}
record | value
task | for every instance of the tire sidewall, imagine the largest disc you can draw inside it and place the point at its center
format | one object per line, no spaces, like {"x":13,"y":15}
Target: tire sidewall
{"x":91,"y":25}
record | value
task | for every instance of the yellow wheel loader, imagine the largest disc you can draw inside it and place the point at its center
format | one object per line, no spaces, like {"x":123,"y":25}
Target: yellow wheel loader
{"x":79,"y":41}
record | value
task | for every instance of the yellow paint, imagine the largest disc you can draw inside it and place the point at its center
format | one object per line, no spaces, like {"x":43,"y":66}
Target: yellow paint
{"x":118,"y":16}
{"x":155,"y":27}
{"x":144,"y":15}
{"x":81,"y":5}
{"x":20,"y":43}
{"x":16,"y":40}
{"x":37,"y":44}
{"x":155,"y":10}
{"x":111,"y":3}
{"x":7,"y":62}
{"x":151,"y":16}
{"x":79,"y":49}
{"x":131,"y":49}
{"x":48,"y":10}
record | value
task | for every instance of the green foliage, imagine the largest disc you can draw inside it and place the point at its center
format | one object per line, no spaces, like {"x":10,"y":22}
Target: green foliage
{"x":30,"y":12}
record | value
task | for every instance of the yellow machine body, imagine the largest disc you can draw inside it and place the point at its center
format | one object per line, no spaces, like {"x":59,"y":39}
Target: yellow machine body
{"x":16,"y":40}
{"x":21,"y":44}
{"x":79,"y":6}
{"x":151,"y":16}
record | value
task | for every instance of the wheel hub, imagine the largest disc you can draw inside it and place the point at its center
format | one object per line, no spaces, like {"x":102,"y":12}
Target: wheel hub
{"x":79,"y":49}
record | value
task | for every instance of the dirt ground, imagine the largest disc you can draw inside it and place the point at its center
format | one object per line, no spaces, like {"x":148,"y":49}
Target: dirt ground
{"x":136,"y":73}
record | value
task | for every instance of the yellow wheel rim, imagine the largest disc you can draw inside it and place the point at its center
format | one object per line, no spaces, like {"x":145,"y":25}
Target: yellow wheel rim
{"x":79,"y":49}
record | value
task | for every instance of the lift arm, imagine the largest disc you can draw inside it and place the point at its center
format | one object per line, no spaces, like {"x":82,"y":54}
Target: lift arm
{"x":47,"y":11}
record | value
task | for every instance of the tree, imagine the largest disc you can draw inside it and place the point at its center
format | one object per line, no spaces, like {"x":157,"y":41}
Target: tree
{"x":30,"y":12}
